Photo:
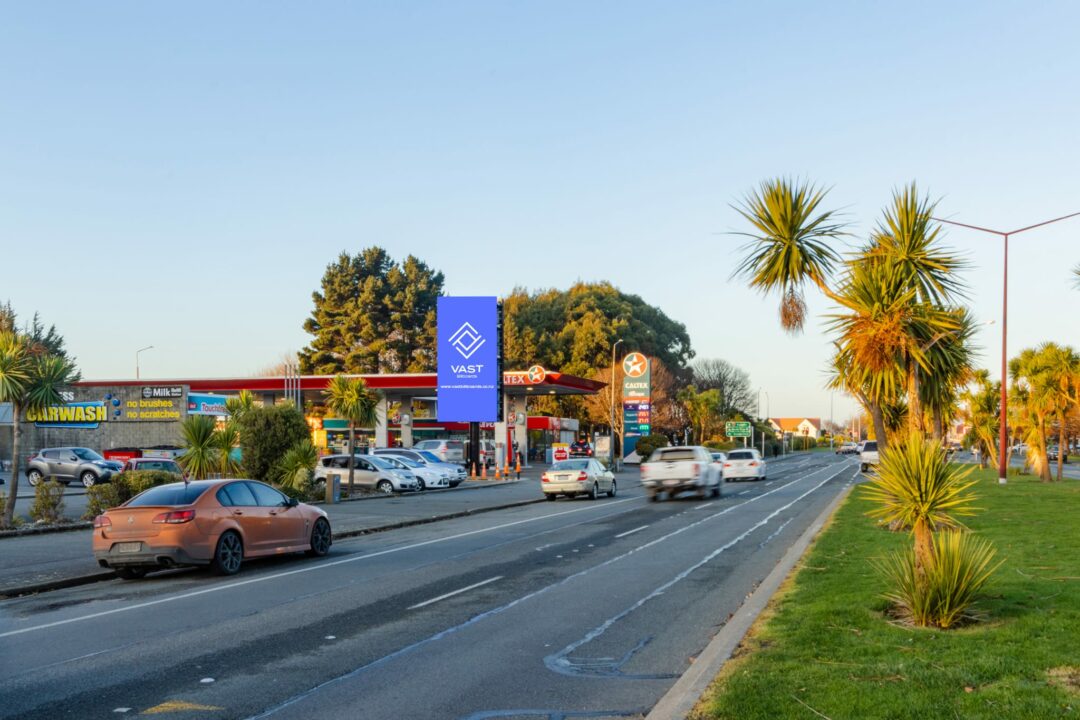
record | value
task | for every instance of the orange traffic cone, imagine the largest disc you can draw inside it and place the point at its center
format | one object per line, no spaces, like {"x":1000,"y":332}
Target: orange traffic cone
{"x":473,"y":471}
{"x":497,"y":472}
{"x":483,"y":472}
{"x":517,"y":469}
{"x":506,"y":468}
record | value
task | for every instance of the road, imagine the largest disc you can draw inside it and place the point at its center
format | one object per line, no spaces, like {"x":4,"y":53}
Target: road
{"x":566,"y":609}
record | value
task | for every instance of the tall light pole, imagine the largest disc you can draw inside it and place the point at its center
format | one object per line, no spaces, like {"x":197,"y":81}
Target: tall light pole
{"x":148,"y":347}
{"x":1002,"y":436}
{"x":611,"y":406}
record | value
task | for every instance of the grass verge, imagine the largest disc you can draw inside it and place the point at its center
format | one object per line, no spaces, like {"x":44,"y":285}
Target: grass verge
{"x":826,"y":648}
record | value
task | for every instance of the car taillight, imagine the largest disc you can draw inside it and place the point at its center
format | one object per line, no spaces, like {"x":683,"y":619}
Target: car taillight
{"x":102,"y":521}
{"x":727,"y":464}
{"x":644,"y":470}
{"x":583,"y":476}
{"x":753,"y":464}
{"x":545,"y":478}
{"x":175,"y":517}
{"x":697,"y":468}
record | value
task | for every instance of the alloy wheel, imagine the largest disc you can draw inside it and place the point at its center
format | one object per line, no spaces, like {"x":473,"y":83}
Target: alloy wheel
{"x":320,"y":538}
{"x":88,"y":479}
{"x":230,"y":553}
{"x":33,"y":477}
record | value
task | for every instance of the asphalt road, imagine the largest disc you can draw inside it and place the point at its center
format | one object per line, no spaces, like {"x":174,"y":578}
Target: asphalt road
{"x":565,"y":609}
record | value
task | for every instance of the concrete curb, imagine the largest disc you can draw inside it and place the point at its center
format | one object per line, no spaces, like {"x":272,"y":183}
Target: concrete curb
{"x":87,"y":579}
{"x":688,"y":689}
{"x":47,"y":529}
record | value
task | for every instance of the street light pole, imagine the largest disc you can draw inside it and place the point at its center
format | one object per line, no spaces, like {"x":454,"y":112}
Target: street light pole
{"x":148,"y":347}
{"x":611,"y":406}
{"x":1002,"y":419}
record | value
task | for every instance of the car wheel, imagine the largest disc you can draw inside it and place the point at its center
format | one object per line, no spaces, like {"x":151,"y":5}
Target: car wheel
{"x":385,"y":487}
{"x":864,"y":467}
{"x":420,"y":486}
{"x":613,"y":490}
{"x":550,"y":496}
{"x":131,"y":573}
{"x":594,"y":491}
{"x":716,"y":491}
{"x":321,"y":538}
{"x":34,"y":477}
{"x":654,"y":496}
{"x":229,"y":554}
{"x":88,"y":479}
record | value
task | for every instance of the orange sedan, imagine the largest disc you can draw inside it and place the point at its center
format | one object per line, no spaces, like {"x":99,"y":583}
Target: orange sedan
{"x":206,"y":522}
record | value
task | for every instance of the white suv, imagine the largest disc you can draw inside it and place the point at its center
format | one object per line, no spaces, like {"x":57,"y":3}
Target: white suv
{"x":449,"y":451}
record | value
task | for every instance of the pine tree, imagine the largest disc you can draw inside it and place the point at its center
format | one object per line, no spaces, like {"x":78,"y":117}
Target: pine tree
{"x":373,"y":315}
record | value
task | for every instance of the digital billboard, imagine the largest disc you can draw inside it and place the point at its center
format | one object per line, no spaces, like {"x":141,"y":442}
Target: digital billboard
{"x":468,"y":359}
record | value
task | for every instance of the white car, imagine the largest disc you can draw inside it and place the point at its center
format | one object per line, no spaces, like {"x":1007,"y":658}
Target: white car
{"x":428,"y":477}
{"x":678,"y":469}
{"x":868,"y":455}
{"x":448,"y":451}
{"x":369,"y":472}
{"x":428,"y":459}
{"x":744,"y":463}
{"x":578,"y":476}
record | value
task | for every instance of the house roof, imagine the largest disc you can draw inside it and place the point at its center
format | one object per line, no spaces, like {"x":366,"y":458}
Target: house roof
{"x":792,"y":424}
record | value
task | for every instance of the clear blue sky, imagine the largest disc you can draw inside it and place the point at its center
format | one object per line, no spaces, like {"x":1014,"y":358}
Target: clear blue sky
{"x":180,"y":174}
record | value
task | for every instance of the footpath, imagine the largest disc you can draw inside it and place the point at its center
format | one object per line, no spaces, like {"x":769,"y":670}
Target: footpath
{"x":48,"y":561}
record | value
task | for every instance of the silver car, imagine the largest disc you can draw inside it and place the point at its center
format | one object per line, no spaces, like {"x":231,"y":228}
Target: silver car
{"x":427,"y":477}
{"x":369,"y":473}
{"x":578,"y":476}
{"x":426,"y":457}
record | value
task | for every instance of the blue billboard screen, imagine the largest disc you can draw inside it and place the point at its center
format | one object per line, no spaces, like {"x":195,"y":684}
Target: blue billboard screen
{"x":468,"y":358}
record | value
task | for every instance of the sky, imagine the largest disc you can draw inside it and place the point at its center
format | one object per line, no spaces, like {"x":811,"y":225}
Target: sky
{"x":180,"y":174}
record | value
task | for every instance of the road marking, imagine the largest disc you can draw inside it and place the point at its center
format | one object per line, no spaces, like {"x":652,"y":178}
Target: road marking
{"x":512,"y":604}
{"x":309,"y":568}
{"x":455,"y":592}
{"x":769,"y":483}
{"x":631,"y":532}
{"x":744,"y":492}
{"x":177,"y":706}
{"x":702,"y":506}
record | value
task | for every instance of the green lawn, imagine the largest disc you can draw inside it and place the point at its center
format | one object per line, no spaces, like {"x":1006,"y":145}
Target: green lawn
{"x":825,"y":647}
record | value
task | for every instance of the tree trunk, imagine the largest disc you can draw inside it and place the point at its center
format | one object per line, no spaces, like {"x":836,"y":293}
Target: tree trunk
{"x":16,"y":434}
{"x":914,"y":409}
{"x":352,"y":456}
{"x":939,"y":424}
{"x":1044,"y":469}
{"x":878,"y":418}
{"x":1061,"y":445}
{"x":924,"y":549}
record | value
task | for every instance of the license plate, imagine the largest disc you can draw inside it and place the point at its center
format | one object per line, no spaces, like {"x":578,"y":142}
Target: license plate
{"x":672,"y":482}
{"x":128,"y":547}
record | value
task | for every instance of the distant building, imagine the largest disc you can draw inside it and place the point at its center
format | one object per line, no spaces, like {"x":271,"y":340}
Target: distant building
{"x":803,"y":427}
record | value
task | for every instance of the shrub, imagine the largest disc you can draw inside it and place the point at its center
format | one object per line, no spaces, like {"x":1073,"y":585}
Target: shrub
{"x":48,"y":504}
{"x":962,"y":566}
{"x":101,"y":497}
{"x":123,"y":487}
{"x":648,"y":443}
{"x":293,"y":473}
{"x":266,"y":434}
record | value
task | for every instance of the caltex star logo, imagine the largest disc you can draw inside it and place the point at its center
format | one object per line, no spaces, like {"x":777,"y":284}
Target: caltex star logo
{"x":466,"y":340}
{"x":537,"y":374}
{"x":634,"y":365}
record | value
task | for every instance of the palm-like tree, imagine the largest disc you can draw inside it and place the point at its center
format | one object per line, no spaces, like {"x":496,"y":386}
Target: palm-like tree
{"x":226,"y":437}
{"x":983,"y":402}
{"x":202,"y":455}
{"x":916,"y":487}
{"x":1063,"y":380}
{"x":351,"y":399}
{"x":789,"y":244}
{"x":240,"y":404}
{"x":30,"y":379}
{"x":1035,"y":384}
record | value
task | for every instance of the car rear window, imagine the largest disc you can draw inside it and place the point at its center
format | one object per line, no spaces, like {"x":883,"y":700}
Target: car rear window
{"x":870,"y":446}
{"x":740,"y":455}
{"x":455,"y":445}
{"x":424,"y":444}
{"x":571,"y":465}
{"x":177,"y":494}
{"x":674,"y":454}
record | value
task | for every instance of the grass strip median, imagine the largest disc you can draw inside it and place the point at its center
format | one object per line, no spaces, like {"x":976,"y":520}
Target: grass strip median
{"x":827,"y":647}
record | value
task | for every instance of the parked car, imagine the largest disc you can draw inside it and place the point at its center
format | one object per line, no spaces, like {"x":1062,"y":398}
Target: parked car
{"x":581,"y":449}
{"x":745,"y":463}
{"x":577,"y":476}
{"x":426,"y":457}
{"x":868,"y":455}
{"x":206,"y":522}
{"x":162,"y":464}
{"x":427,"y":476}
{"x":448,"y":451}
{"x":1052,"y":454}
{"x":680,"y":469}
{"x":848,"y":448}
{"x":368,"y":473}
{"x":68,"y":464}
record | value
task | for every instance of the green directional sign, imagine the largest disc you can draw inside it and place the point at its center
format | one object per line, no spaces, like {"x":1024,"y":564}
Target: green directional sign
{"x":737,"y":429}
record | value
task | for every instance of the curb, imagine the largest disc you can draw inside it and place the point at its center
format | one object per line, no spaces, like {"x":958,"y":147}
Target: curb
{"x":77,"y":580}
{"x":677,"y":703}
{"x":67,"y":527}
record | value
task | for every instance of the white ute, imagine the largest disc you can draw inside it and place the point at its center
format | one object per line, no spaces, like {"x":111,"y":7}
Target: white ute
{"x":680,"y":469}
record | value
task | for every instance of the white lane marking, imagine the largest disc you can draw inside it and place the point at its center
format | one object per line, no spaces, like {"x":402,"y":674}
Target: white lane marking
{"x":455,"y":592}
{"x":557,"y":662}
{"x":631,"y":532}
{"x":309,"y":568}
{"x":702,"y":506}
{"x":744,"y":492}
{"x":503,"y":608}
{"x":122,"y":710}
{"x":775,"y":533}
{"x":769,"y":483}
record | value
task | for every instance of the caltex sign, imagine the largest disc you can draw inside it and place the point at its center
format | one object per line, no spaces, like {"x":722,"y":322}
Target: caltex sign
{"x":468,"y":359}
{"x":637,"y":400}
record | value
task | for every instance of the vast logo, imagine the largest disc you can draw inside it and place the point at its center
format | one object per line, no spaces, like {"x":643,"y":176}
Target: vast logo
{"x":634,"y":365}
{"x":466,"y":340}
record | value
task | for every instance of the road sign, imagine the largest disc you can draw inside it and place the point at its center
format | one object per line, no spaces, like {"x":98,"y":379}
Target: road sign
{"x":737,"y":429}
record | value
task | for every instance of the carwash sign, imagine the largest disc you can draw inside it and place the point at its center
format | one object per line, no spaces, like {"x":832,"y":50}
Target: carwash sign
{"x":468,"y":355}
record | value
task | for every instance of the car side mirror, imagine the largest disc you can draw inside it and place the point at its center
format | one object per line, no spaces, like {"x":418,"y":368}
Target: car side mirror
{"x":72,"y":458}
{"x":292,"y":502}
